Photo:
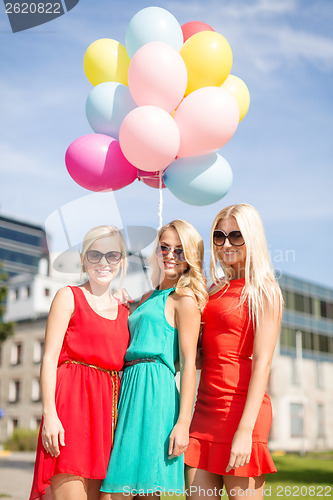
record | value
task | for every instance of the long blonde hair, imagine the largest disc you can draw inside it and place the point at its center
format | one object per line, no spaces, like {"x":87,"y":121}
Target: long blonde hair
{"x":102,"y":232}
{"x":260,"y":281}
{"x":193,"y":247}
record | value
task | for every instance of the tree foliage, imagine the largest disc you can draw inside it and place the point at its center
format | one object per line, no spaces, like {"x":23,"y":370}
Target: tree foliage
{"x":6,"y":329}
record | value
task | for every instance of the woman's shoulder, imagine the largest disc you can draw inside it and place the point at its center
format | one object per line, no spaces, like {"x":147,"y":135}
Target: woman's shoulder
{"x":185,"y":300}
{"x":272,"y":293}
{"x":215,"y":288}
{"x":66,"y":292}
{"x":145,"y":296}
{"x":63,"y":299}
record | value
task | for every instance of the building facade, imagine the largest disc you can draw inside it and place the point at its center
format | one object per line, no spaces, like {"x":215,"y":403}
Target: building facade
{"x":299,"y":384}
{"x":302,"y":369}
{"x":22,"y":245}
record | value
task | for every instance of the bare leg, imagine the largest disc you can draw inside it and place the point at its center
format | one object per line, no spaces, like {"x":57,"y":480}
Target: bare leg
{"x":121,"y":496}
{"x":117,"y":496}
{"x":199,"y":481}
{"x":104,"y":496}
{"x":94,"y":486}
{"x":69,"y":486}
{"x":239,"y":488}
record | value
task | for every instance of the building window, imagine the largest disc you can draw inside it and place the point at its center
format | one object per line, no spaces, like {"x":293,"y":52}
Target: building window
{"x":296,"y":419}
{"x":286,"y":298}
{"x":20,"y":236}
{"x":38,"y":350}
{"x":47,"y":292}
{"x":35,"y":390}
{"x":19,"y":257}
{"x":17,"y":293}
{"x":35,"y":423}
{"x":308,"y":302}
{"x":320,"y":421}
{"x":308,"y":342}
{"x":288,"y":337}
{"x":14,"y":391}
{"x":299,"y":302}
{"x":329,"y":310}
{"x":25,"y":292}
{"x":330,"y":345}
{"x":326,"y":309}
{"x":16,"y":354}
{"x":323,"y":343}
{"x":12,"y":424}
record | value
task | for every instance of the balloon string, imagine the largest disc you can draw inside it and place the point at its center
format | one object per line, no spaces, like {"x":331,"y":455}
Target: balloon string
{"x":160,"y":203}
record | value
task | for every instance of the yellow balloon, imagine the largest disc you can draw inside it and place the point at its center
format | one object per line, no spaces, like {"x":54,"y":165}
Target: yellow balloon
{"x":106,"y":60}
{"x":239,"y":90}
{"x":208,"y":59}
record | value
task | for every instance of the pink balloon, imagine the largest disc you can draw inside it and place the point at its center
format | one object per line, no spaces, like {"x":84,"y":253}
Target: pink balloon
{"x":207,"y":119}
{"x":193,"y":27}
{"x":149,"y":138}
{"x":157,"y":76}
{"x":152,"y":179}
{"x":95,"y":162}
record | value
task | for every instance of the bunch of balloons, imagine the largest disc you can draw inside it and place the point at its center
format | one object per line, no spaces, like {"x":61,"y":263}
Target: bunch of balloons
{"x":160,"y":109}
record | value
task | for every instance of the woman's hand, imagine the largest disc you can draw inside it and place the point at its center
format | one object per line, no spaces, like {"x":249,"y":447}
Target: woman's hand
{"x":53,"y":435}
{"x":240,"y":449}
{"x":179,"y":439}
{"x":122,"y":295}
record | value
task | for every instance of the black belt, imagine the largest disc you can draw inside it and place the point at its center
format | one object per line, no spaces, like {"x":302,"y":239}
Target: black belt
{"x":141,"y":360}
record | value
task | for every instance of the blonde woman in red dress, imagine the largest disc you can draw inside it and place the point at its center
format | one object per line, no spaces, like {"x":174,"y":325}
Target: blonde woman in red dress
{"x":85,"y":344}
{"x":233,"y":414}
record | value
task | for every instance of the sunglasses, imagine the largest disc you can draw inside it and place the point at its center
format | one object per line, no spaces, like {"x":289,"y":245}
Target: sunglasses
{"x":94,"y":256}
{"x":235,"y":238}
{"x":178,"y":253}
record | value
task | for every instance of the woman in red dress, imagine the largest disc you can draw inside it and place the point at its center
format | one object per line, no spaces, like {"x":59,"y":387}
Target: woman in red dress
{"x":233,"y":415}
{"x":85,"y":344}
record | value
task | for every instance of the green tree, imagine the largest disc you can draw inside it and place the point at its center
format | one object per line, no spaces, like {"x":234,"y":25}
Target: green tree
{"x":6,"y":329}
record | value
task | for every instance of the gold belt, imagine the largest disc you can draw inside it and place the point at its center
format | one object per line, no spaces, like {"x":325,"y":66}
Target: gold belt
{"x":114,"y":379}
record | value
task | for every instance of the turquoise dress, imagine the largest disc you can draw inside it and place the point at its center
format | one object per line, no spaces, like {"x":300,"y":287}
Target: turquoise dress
{"x":148,"y":407}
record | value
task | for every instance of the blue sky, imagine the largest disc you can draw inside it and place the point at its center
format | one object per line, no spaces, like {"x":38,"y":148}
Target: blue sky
{"x":281,"y":154}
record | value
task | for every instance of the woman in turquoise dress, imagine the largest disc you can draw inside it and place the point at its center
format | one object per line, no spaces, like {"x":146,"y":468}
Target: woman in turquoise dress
{"x":153,"y":419}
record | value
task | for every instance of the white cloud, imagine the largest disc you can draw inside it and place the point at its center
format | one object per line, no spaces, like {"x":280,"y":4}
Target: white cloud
{"x":265,"y":34}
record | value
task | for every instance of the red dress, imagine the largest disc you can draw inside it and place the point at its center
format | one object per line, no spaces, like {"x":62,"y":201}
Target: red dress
{"x":84,"y":394}
{"x":227,"y":345}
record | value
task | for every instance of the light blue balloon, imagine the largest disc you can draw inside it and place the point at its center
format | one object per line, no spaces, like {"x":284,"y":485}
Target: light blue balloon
{"x":107,"y":105}
{"x":153,"y":24}
{"x":199,"y":180}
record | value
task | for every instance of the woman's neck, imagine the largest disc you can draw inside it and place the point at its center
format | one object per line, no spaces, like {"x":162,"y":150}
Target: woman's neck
{"x":98,"y":290}
{"x":238,"y":272}
{"x":167,"y":283}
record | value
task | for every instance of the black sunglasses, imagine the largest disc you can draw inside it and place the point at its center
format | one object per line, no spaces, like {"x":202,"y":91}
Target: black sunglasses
{"x":178,"y":253}
{"x":112,"y":257}
{"x":235,"y":238}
